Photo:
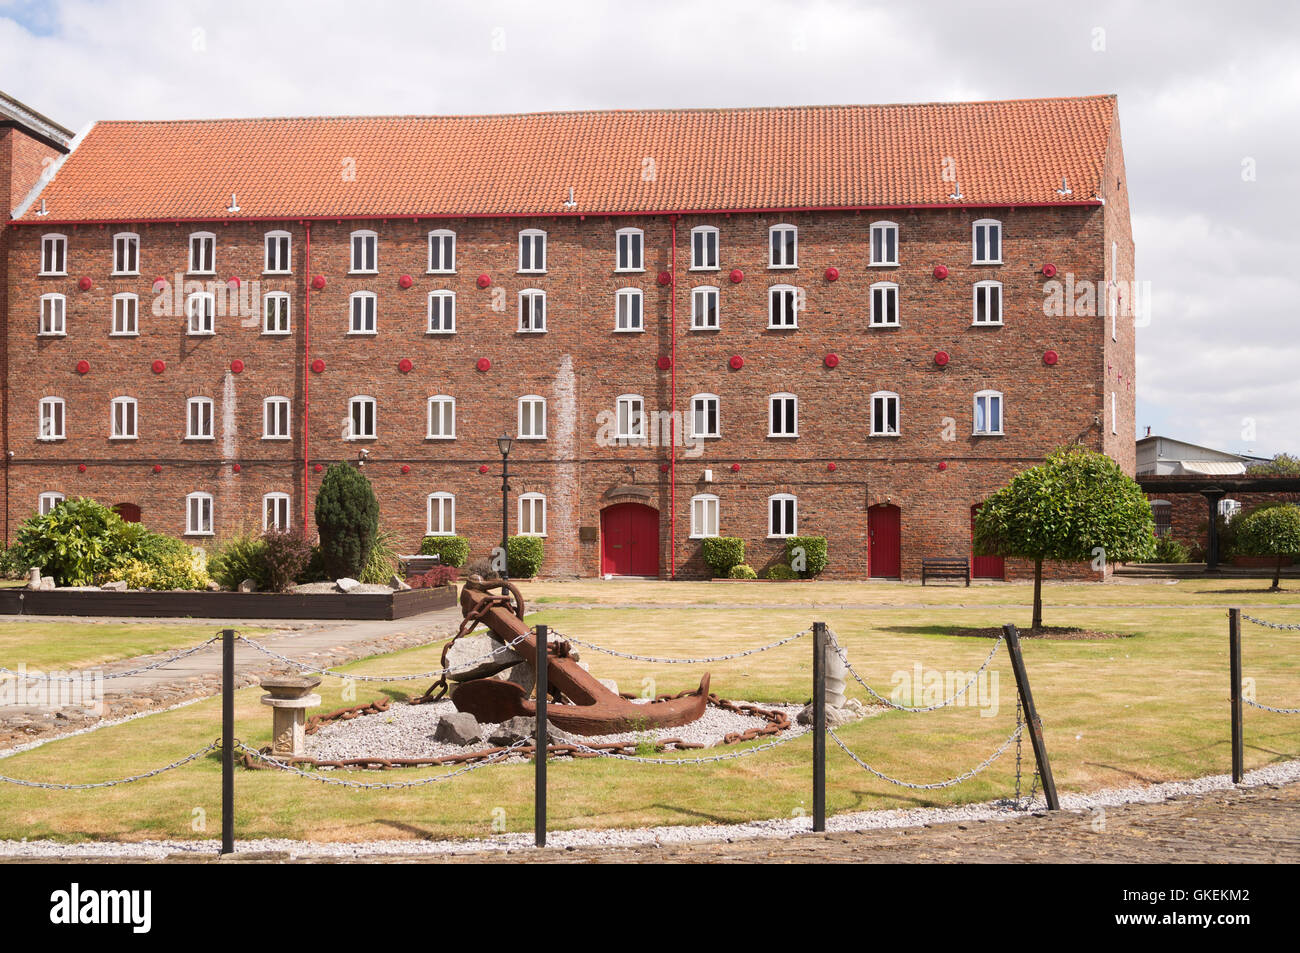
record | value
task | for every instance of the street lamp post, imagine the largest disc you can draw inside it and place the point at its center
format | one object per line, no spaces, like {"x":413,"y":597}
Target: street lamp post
{"x":503,"y":444}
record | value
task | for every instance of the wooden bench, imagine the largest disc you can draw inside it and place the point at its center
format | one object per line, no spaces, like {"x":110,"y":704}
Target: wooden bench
{"x":945,"y":569}
{"x":417,"y":565}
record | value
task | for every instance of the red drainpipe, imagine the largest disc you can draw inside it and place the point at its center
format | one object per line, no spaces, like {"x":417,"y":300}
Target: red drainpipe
{"x":306,"y":382}
{"x":672,"y":450}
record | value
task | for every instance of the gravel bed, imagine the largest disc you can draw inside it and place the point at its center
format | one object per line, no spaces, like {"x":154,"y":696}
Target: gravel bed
{"x":318,"y":587}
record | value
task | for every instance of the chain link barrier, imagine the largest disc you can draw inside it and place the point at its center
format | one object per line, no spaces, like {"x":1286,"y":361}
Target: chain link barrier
{"x":1276,"y":711}
{"x":728,"y":756}
{"x":109,"y":784}
{"x":951,"y":782}
{"x":417,"y":676}
{"x":897,"y":707}
{"x":132,"y":671}
{"x":1271,"y":625}
{"x":253,"y":753}
{"x":684,"y":661}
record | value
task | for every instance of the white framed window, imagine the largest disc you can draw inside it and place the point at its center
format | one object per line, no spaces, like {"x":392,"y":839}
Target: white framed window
{"x":123,"y":411}
{"x":442,"y":418}
{"x":362,"y":305}
{"x":783,"y":246}
{"x":705,"y":417}
{"x":532,"y":417}
{"x":704,"y":308}
{"x":441,"y":515}
{"x":126,"y":315}
{"x":361,"y":418}
{"x":198,"y":514}
{"x":1114,"y":412}
{"x":52,"y":419}
{"x":631,"y":417}
{"x":442,"y":252}
{"x":532,"y":250}
{"x":275,"y":313}
{"x":704,"y":515}
{"x":203,"y":253}
{"x":277,"y":247}
{"x":783,"y":415}
{"x":782,"y":306}
{"x":884,"y":244}
{"x":884,"y":305}
{"x":54,"y":254}
{"x":782,"y":515}
{"x":442,"y":312}
{"x":704,"y":248}
{"x":884,"y":414}
{"x":628,"y":310}
{"x":988,"y":412}
{"x":988,"y":302}
{"x":48,"y":501}
{"x":532,"y":514}
{"x":275,"y":512}
{"x":986,"y":242}
{"x":54,"y":309}
{"x":365,"y":252}
{"x":275,"y":418}
{"x":126,"y":253}
{"x":200,"y":311}
{"x":532,"y":311}
{"x":198,"y":419}
{"x":629,"y":250}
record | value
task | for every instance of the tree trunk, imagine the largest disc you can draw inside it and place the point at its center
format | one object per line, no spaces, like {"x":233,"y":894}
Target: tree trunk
{"x":1038,"y":595}
{"x":1277,"y":575}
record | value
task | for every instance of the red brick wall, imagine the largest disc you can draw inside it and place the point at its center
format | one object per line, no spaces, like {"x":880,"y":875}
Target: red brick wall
{"x":1189,"y":515}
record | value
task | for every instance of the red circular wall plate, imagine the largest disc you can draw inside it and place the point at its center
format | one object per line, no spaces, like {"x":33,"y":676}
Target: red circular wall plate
{"x":405,"y":365}
{"x":160,"y":280}
{"x":157,"y":468}
{"x":317,"y":366}
{"x":664,"y":363}
{"x":236,"y":467}
{"x":663,"y":468}
{"x":484,"y":281}
{"x":665,"y":277}
{"x":737,"y":276}
{"x":735,"y":468}
{"x":233,"y":281}
{"x":830,"y":467}
{"x":406,"y":468}
{"x":482,"y":468}
{"x":831,"y":360}
{"x":943,"y":465}
{"x":736,"y":362}
{"x":81,"y":468}
{"x":237,"y":366}
{"x":83,"y":367}
{"x":317,"y":468}
{"x":941,"y":272}
{"x":318,"y":282}
{"x":1049,"y":270}
{"x":483,"y":364}
{"x":405,"y":281}
{"x":941,"y":358}
{"x":832,"y":273}
{"x":158,"y":367}
{"x":1050,"y":358}
{"x":85,"y":284}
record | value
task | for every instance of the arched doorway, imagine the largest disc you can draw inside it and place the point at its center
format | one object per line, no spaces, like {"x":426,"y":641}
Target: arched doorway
{"x":629,"y":540}
{"x":984,"y":567}
{"x":128,"y":511}
{"x":884,"y":554}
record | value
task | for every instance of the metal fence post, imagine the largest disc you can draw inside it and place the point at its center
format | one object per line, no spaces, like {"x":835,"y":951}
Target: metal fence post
{"x":228,"y":741}
{"x":539,"y":756}
{"x":1032,"y":721}
{"x":819,"y":726}
{"x":1234,"y":695}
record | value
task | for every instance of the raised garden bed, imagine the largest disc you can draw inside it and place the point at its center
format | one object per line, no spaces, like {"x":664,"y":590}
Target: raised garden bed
{"x":227,"y":605}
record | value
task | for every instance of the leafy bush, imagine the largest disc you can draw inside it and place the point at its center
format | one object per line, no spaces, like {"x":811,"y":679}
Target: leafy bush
{"x":240,"y":557}
{"x":721,"y":553}
{"x":524,"y":556}
{"x":742,"y":572}
{"x":347,"y":516}
{"x":314,"y":571}
{"x":1170,"y":550}
{"x":810,"y":551}
{"x":285,"y":555}
{"x":382,"y":562}
{"x":450,"y":550}
{"x":178,"y":569}
{"x":1271,"y":531}
{"x":781,"y":571}
{"x":12,"y":563}
{"x":437,"y":576}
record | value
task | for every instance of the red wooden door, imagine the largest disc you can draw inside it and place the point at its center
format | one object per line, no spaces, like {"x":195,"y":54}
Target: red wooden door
{"x":885,"y":551}
{"x":984,"y":567}
{"x":629,"y":540}
{"x":128,"y":511}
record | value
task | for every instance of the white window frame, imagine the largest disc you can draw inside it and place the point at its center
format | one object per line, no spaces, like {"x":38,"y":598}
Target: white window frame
{"x":212,"y":265}
{"x":984,"y":396}
{"x":876,"y":429}
{"x":57,"y":324}
{"x":206,"y":315}
{"x":282,"y":504}
{"x":771,"y":247}
{"x":632,"y":296}
{"x":118,"y":329}
{"x":441,"y":236}
{"x":446,"y":525}
{"x":48,"y":500}
{"x":883,"y":229}
{"x":983,"y":287}
{"x":771,"y":405}
{"x":272,"y":240}
{"x":54,"y":410}
{"x":271,"y":414}
{"x":49,"y":242}
{"x":706,"y":509}
{"x":533,"y":239}
{"x":705,"y":230}
{"x":204,"y":512}
{"x":713,"y":292}
{"x":783,"y":532}
{"x":535,"y":503}
{"x":362,"y":400}
{"x":440,"y":402}
{"x":121,"y":242}
{"x":190,"y":406}
{"x":778,"y":292}
{"x":528,"y":294}
{"x":527,"y":413}
{"x":988,"y":226}
{"x":357,"y":256}
{"x":699,"y":403}
{"x":117,"y":416}
{"x":635,"y":405}
{"x":441,"y":295}
{"x":635,"y":250}
{"x":363,"y":296}
{"x":887,"y":289}
{"x":267,"y":310}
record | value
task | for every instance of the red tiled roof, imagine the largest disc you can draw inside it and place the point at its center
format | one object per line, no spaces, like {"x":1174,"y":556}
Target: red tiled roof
{"x":1003,"y":153}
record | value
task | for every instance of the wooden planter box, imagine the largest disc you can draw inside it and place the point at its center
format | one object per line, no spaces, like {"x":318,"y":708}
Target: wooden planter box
{"x":1260,"y":562}
{"x":228,"y":605}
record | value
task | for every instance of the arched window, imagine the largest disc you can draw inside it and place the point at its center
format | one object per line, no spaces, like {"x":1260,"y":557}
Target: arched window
{"x":361,"y":418}
{"x":704,"y":308}
{"x":48,"y":501}
{"x":362,"y":305}
{"x":631,"y":417}
{"x":783,"y":415}
{"x":884,"y":244}
{"x":783,"y":246}
{"x":884,"y":305}
{"x":198,"y":418}
{"x":275,"y":313}
{"x":532,"y":311}
{"x":54,"y":309}
{"x":442,"y":312}
{"x":126,"y":314}
{"x":52,"y":419}
{"x":201,"y":311}
{"x":1162,"y":511}
{"x":782,"y":307}
{"x":988,"y":302}
{"x":628,"y":310}
{"x":54,"y":254}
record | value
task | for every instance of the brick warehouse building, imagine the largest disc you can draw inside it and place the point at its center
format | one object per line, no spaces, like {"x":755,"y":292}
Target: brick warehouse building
{"x":844,"y":307}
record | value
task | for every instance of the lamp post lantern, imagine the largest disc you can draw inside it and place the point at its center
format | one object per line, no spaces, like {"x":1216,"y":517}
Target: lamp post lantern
{"x":503,"y":444}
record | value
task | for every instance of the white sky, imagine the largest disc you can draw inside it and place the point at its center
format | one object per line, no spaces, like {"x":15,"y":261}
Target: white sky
{"x":1203,"y":87}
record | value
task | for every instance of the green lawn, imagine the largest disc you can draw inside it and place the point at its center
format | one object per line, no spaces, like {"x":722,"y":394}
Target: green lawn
{"x":49,"y":645}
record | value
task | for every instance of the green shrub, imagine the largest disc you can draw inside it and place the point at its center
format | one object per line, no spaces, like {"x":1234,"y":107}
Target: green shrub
{"x":1170,"y":550}
{"x":285,"y":556}
{"x":178,"y":569}
{"x":240,"y":557}
{"x":347,"y":516}
{"x":781,"y":571}
{"x":450,"y":550}
{"x":810,"y":551}
{"x":742,"y":572}
{"x":12,"y":563}
{"x":77,"y":542}
{"x":524,"y":556}
{"x":381,"y":564}
{"x":721,"y":553}
{"x":314,"y":571}
{"x":1271,"y":531}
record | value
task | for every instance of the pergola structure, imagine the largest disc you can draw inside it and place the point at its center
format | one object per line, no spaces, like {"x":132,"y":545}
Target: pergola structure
{"x":1214,"y":489}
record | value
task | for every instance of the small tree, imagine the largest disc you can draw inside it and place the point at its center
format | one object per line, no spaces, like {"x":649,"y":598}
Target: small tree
{"x":1271,"y":531}
{"x":1284,"y":464}
{"x":1076,"y":506}
{"x":347,"y":518}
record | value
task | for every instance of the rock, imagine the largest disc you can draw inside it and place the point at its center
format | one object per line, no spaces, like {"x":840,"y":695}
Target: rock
{"x":213,"y":586}
{"x":458,"y":728}
{"x":835,"y":717}
{"x":465,"y":658}
{"x":523,"y":675}
{"x":47,"y":583}
{"x":117,"y":585}
{"x":248,"y":585}
{"x":34,"y":578}
{"x":519,"y":728}
{"x":610,"y":684}
{"x":398,"y":583}
{"x":346,"y":584}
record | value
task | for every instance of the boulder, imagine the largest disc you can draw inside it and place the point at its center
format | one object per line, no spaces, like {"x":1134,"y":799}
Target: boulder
{"x":47,"y":583}
{"x":398,"y":583}
{"x":213,"y":586}
{"x":117,"y":585}
{"x":523,"y":675}
{"x":346,"y":584}
{"x":519,"y":728}
{"x":248,"y":585}
{"x":458,"y":728}
{"x":465,"y":658}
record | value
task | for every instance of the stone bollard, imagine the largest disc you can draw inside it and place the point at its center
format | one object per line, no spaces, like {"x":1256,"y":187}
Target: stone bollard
{"x":836,"y":677}
{"x":289,"y":697}
{"x":34,"y":577}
